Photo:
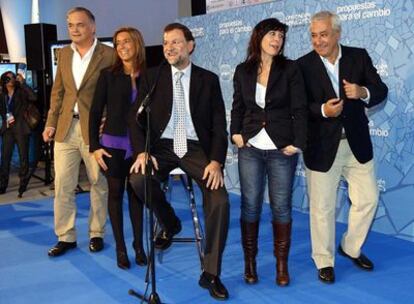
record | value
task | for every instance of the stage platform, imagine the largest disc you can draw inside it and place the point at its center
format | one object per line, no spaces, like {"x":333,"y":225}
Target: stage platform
{"x":28,"y":275}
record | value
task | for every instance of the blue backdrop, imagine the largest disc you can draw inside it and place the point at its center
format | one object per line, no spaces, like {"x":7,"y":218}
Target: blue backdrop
{"x":386,"y":29}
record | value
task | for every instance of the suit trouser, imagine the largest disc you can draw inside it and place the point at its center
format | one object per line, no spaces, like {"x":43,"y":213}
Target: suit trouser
{"x":215,"y":202}
{"x":322,"y":190}
{"x":68,"y":156}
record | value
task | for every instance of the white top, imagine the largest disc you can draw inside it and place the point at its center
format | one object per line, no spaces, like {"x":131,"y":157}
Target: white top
{"x":189,"y":126}
{"x":261,"y":140}
{"x":80,"y":65}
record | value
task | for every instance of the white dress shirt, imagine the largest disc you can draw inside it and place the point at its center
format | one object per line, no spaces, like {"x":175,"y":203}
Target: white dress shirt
{"x":80,"y":65}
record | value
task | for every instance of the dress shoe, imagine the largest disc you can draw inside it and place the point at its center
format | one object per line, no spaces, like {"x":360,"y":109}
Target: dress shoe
{"x":140,"y":257}
{"x":122,"y":259}
{"x":96,"y":244}
{"x":164,"y":238}
{"x":216,"y":289}
{"x":60,"y":248}
{"x":362,"y":261}
{"x":326,"y":275}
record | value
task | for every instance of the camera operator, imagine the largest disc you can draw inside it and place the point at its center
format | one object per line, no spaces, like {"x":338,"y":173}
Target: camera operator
{"x":14,"y":99}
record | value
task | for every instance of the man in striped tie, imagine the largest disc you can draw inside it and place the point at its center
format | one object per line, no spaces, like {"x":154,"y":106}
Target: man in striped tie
{"x":188,"y":130}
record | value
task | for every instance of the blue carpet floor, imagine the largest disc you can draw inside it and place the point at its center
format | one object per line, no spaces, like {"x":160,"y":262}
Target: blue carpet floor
{"x":28,"y":275}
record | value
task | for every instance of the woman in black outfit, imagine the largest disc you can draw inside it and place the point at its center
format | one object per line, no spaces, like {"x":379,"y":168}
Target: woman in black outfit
{"x":115,"y":91}
{"x":268,"y":125}
{"x":14,"y":100}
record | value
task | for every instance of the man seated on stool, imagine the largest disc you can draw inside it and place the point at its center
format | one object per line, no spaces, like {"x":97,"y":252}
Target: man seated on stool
{"x":188,"y":130}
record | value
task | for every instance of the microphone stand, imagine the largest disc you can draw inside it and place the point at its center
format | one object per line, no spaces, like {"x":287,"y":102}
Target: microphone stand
{"x":153,"y":297}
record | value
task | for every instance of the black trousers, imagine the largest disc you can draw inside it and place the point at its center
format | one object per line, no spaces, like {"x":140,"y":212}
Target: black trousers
{"x":215,"y":202}
{"x":10,"y":137}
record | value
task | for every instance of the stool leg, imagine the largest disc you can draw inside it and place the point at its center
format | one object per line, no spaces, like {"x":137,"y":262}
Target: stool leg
{"x":198,"y":233}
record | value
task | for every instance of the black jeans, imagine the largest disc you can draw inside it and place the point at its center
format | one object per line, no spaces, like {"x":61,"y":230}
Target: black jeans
{"x":8,"y":141}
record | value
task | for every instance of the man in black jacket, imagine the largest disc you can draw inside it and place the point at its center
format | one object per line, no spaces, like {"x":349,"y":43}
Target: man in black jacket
{"x":341,"y":83}
{"x":188,"y":130}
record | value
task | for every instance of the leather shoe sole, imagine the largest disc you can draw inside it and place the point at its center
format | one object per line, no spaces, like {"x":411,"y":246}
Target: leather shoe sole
{"x":96,"y":244}
{"x":362,"y":261}
{"x":326,"y":275}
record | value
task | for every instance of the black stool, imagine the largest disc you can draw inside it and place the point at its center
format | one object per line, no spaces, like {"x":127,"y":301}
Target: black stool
{"x":198,"y":238}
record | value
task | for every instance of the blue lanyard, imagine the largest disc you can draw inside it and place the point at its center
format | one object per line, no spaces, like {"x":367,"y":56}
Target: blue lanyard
{"x":8,"y":103}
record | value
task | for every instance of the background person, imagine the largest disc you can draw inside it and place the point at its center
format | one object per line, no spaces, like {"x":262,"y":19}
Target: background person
{"x":14,"y":99}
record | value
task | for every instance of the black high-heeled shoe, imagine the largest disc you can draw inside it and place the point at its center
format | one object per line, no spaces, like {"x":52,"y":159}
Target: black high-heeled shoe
{"x":140,"y":257}
{"x":122,"y":259}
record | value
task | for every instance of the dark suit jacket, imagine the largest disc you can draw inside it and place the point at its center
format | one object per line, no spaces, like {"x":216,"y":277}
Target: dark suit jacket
{"x":21,"y":98}
{"x":64,"y":93}
{"x":324,"y":134}
{"x":113,"y":94}
{"x":285,"y":114}
{"x":206,"y":106}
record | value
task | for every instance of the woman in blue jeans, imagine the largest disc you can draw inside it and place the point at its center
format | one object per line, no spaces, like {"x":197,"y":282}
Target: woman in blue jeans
{"x":268,"y":125}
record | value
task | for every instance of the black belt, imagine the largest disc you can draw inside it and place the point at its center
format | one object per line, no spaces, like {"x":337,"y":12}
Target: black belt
{"x":343,"y":136}
{"x":76,"y":116}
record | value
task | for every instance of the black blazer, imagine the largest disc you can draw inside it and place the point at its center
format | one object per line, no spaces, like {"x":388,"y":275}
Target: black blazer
{"x":113,"y":94}
{"x":206,"y":106}
{"x":324,"y":134}
{"x":285,"y":114}
{"x":21,"y":98}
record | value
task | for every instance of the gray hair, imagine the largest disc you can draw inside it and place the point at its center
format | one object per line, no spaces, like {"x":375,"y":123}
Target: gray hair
{"x":334,"y":18}
{"x":84,"y":10}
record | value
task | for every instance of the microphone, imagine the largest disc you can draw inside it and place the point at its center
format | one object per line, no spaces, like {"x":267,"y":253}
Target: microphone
{"x":147,"y":100}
